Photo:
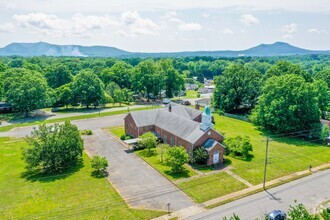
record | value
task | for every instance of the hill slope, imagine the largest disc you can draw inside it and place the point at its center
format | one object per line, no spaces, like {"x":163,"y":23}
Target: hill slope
{"x":46,"y":49}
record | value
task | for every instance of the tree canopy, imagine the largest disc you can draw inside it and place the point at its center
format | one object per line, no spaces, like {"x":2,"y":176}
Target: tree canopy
{"x":238,"y":87}
{"x":26,"y":90}
{"x":287,"y":103}
{"x":54,"y":148}
{"x":87,"y":88}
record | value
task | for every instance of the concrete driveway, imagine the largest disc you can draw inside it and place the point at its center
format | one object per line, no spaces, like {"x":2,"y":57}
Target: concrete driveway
{"x":137,"y":182}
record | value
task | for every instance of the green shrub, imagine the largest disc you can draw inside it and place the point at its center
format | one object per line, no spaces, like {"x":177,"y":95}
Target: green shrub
{"x":200,"y":155}
{"x":99,"y":164}
{"x":239,"y":146}
{"x":86,"y":132}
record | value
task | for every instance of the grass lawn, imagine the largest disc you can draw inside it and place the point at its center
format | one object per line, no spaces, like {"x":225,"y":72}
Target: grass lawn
{"x":118,"y":131}
{"x":154,"y":161}
{"x":74,"y":194}
{"x":287,"y":155}
{"x":212,"y":186}
{"x":38,"y":122}
{"x":190,"y":94}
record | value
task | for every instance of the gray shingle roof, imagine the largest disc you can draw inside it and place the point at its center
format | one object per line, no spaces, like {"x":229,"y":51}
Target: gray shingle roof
{"x":179,"y":126}
{"x":145,"y":118}
{"x":178,"y":122}
{"x":183,"y":111}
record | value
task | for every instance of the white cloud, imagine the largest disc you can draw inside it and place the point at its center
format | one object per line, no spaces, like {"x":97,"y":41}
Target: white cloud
{"x":289,"y":29}
{"x":129,"y":23}
{"x":170,"y":5}
{"x":136,"y":25}
{"x":227,"y":31}
{"x":39,"y":20}
{"x":287,"y":36}
{"x":171,"y":16}
{"x":190,"y":27}
{"x":314,"y":30}
{"x":249,"y":19}
{"x":7,"y":27}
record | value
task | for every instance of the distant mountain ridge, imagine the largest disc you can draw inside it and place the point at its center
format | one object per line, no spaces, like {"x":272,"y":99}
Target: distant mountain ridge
{"x":46,"y":49}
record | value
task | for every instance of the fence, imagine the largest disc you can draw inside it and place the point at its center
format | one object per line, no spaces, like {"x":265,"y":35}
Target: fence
{"x":239,"y":117}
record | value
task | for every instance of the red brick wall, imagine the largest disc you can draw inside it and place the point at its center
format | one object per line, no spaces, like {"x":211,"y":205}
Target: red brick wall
{"x":130,"y":126}
{"x":213,"y":134}
{"x":218,"y":148}
{"x":177,"y":140}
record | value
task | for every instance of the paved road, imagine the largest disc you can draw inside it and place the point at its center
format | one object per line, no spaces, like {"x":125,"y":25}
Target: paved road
{"x":92,"y":123}
{"x":138,"y":183}
{"x":310,"y":191}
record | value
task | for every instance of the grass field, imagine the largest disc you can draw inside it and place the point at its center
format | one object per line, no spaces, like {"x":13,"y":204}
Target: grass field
{"x":154,"y":161}
{"x":74,"y":194}
{"x":287,"y":155}
{"x":7,"y":128}
{"x":212,"y":186}
{"x":118,"y":131}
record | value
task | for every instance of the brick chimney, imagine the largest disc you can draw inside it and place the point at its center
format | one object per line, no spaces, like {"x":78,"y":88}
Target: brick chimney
{"x":169,"y":107}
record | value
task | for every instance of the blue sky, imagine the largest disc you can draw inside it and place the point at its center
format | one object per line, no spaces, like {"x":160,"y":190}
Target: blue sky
{"x":171,"y":25}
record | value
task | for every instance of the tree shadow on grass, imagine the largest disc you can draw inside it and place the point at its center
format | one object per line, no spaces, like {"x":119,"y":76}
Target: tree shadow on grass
{"x":146,"y":153}
{"x":184,"y":173}
{"x":98,"y":175}
{"x":36,"y":176}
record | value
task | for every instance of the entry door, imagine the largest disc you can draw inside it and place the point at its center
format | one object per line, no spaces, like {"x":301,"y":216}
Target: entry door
{"x":216,"y":157}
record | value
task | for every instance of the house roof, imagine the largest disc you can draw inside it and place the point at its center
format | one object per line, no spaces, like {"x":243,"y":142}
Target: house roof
{"x":183,"y":111}
{"x":178,"y":122}
{"x":210,"y":143}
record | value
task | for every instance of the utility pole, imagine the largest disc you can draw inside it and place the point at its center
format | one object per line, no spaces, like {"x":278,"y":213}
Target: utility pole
{"x":266,"y":162}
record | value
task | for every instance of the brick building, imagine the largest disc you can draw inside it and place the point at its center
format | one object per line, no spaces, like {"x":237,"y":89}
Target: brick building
{"x":181,"y":126}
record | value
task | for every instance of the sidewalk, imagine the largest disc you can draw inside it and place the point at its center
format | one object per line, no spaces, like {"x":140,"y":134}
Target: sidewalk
{"x":192,"y":210}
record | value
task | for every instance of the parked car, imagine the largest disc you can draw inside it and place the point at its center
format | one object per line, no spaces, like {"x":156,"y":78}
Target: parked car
{"x":276,"y":215}
{"x":186,"y":102}
{"x":166,"y":101}
{"x":5,"y":107}
{"x":55,"y":109}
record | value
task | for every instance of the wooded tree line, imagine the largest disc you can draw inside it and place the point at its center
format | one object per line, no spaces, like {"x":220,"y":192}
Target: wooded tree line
{"x":284,"y":97}
{"x":30,"y":83}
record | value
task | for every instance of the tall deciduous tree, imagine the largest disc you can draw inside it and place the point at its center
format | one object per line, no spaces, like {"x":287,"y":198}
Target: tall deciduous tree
{"x":64,"y":95}
{"x":237,"y":87}
{"x":53,"y":148}
{"x":287,"y":103}
{"x":58,"y":75}
{"x":323,"y":75}
{"x":87,"y":88}
{"x":147,"y":79}
{"x":26,"y":90}
{"x":118,"y":96}
{"x":284,"y":67}
{"x":172,"y":79}
{"x":120,"y":73}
